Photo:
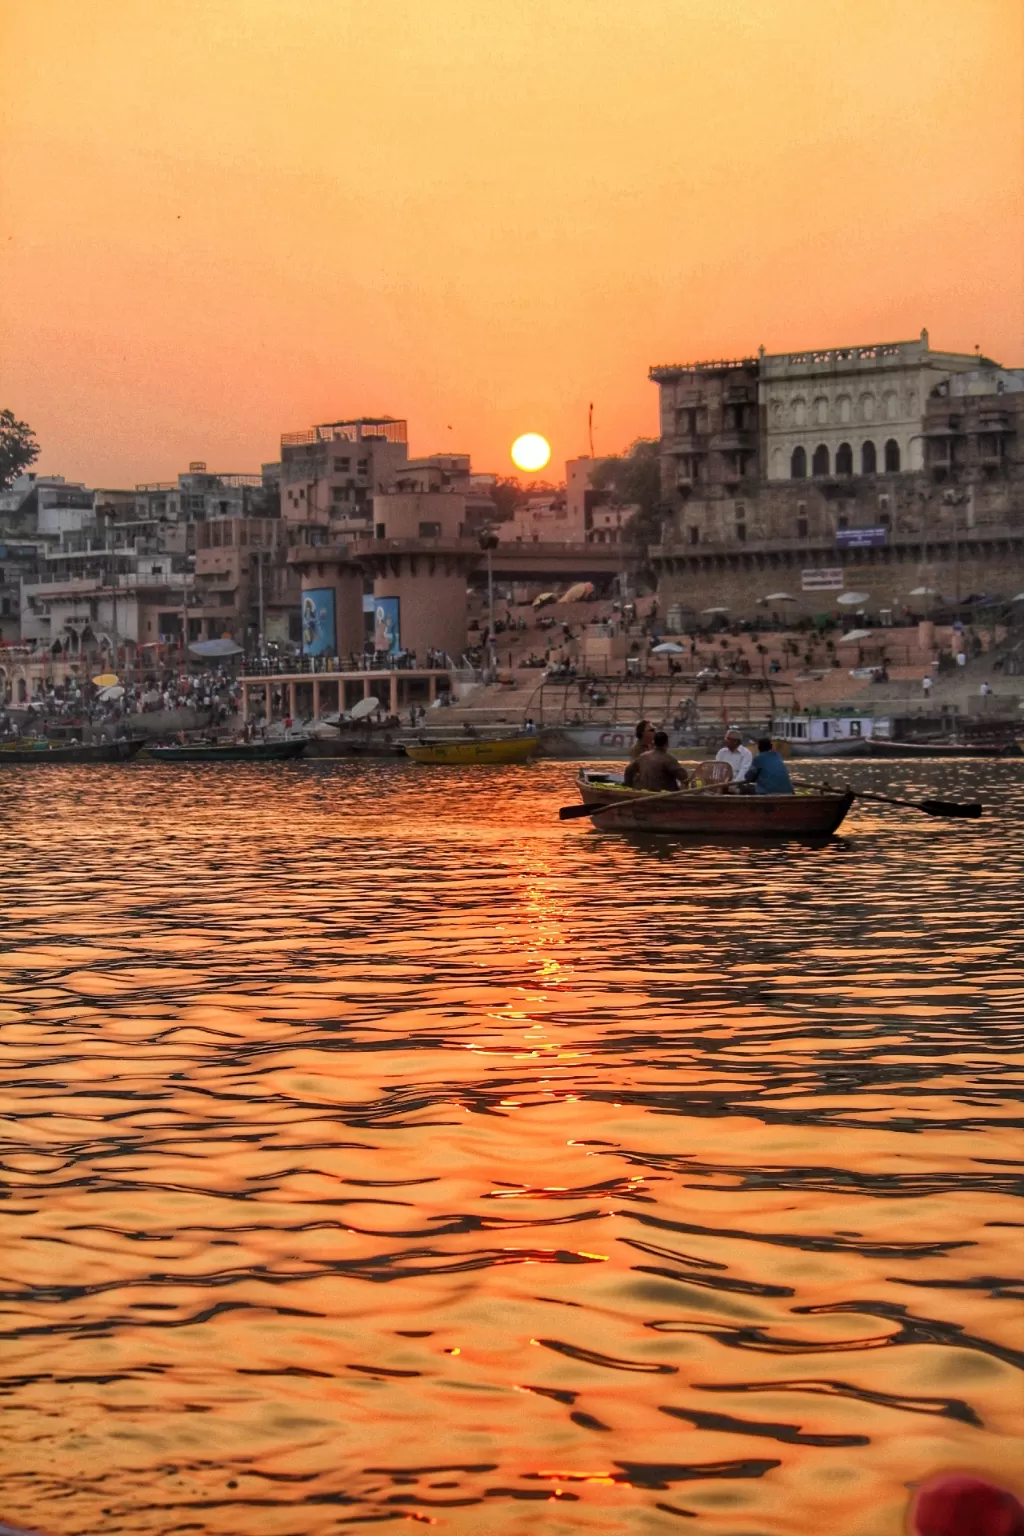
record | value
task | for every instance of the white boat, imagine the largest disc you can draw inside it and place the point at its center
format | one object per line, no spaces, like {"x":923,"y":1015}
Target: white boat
{"x":829,"y":735}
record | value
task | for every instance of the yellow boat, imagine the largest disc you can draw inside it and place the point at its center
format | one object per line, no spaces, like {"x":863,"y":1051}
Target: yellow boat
{"x":513,"y":749}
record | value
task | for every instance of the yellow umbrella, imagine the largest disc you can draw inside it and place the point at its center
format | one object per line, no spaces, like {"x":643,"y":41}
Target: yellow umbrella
{"x":105,"y":680}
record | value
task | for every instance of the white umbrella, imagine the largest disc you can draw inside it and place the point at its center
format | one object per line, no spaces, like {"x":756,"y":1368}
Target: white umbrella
{"x":667,"y":648}
{"x":779,"y":597}
{"x":109,"y":695}
{"x":365,"y":707}
{"x":714,"y":610}
{"x":927,"y":592}
{"x":1018,"y":599}
{"x":853,"y":599}
{"x":854,"y":636}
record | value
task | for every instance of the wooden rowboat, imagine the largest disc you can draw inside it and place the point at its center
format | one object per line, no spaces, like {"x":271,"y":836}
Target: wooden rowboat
{"x":229,"y":752}
{"x":513,"y":749}
{"x":809,"y":815}
{"x":73,"y":752}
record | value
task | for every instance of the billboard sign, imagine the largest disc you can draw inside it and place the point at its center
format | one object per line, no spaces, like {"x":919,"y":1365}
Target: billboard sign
{"x":822,"y":580}
{"x":861,"y":538}
{"x":319,"y":631}
{"x":386,"y":625}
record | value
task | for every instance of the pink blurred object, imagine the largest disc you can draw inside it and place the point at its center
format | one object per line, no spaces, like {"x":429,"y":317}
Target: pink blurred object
{"x":965,"y":1506}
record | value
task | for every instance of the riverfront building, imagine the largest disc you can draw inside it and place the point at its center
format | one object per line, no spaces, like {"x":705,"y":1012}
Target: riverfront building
{"x":888,"y":469}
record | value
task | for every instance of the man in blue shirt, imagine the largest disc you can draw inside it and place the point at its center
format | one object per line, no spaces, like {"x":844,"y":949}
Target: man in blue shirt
{"x":768,"y":773}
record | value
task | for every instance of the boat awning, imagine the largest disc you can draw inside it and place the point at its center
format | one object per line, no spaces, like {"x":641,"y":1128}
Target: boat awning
{"x":855,"y":637}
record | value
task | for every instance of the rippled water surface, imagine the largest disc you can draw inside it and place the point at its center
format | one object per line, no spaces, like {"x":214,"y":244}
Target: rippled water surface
{"x":377,"y":1148}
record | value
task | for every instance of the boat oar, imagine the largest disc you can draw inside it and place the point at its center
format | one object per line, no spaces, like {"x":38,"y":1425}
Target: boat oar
{"x":570,"y":812}
{"x":952,"y":810}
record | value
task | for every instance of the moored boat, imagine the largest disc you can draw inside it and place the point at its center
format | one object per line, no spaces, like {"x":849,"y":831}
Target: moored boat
{"x":947,"y":748}
{"x":473,"y":750}
{"x":228,"y":752}
{"x":810,"y":815}
{"x":70,"y":752}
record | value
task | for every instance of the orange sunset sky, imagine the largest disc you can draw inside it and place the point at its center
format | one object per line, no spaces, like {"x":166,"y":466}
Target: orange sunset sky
{"x":227,"y":218}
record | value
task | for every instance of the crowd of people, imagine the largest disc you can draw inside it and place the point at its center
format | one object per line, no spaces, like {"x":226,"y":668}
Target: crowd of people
{"x":212,"y":692}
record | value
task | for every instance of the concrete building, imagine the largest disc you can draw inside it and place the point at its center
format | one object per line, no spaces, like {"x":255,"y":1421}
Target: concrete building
{"x":974,"y":428}
{"x":851,"y":410}
{"x":330,"y":473}
{"x":710,"y":427}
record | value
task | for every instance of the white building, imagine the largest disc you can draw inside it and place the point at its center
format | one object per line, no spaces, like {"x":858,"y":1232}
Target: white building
{"x":851,"y":410}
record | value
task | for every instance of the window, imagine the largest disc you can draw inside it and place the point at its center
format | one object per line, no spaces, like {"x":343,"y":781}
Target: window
{"x":892,"y":456}
{"x":799,"y":412}
{"x":891,"y":406}
{"x":338,"y":493}
{"x":819,"y":464}
{"x":844,"y":459}
{"x":361,"y":466}
{"x":801,"y":528}
{"x":798,"y":464}
{"x":884,"y":520}
{"x":845,"y":408}
{"x":229,"y":533}
{"x":342,"y":466}
{"x":430,"y":530}
{"x":741,"y":532}
{"x":842,"y":522}
{"x":868,"y":459}
{"x":694,"y":534}
{"x":381,"y":532}
{"x":821,"y":410}
{"x":867,"y":407}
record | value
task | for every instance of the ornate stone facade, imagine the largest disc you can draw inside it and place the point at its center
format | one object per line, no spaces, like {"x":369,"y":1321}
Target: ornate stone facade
{"x":850,"y":410}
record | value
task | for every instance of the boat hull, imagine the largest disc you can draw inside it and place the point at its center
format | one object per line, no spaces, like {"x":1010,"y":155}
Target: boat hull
{"x":518,"y":749}
{"x":846,"y":746}
{"x":813,"y":816}
{"x":235,"y":752}
{"x":82,"y":752}
{"x":911,"y":749}
{"x":601,"y":743}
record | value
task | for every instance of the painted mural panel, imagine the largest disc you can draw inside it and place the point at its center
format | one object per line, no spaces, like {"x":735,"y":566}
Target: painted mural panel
{"x":319,"y":624}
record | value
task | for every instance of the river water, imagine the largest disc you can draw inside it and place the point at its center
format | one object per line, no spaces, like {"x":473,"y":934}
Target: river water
{"x":378,"y":1149}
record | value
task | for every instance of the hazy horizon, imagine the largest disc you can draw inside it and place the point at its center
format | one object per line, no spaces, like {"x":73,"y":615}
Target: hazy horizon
{"x":232,"y":218}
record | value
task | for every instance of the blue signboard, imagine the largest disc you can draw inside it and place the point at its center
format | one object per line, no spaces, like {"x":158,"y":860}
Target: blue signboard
{"x":861,"y":538}
{"x":319,"y":634}
{"x":386,"y":627}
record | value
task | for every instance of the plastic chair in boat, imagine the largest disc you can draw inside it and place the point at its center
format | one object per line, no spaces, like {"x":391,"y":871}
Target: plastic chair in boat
{"x":712,"y":775}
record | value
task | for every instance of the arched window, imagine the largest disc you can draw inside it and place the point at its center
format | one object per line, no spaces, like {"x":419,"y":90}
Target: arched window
{"x":819,"y":464}
{"x":845,"y":408}
{"x":844,"y":459}
{"x":799,"y":411}
{"x":821,"y":410}
{"x":867,"y":407}
{"x":892,"y":456}
{"x":798,"y":464}
{"x":868,"y":459}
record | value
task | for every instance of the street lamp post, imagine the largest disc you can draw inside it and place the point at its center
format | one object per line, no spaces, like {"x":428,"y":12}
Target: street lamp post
{"x":489,"y":543}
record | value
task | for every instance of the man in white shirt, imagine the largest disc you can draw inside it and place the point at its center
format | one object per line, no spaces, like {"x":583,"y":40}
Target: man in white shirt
{"x":735,"y":754}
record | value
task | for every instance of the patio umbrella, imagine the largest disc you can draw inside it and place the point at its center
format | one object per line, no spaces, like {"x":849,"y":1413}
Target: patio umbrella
{"x":854,"y":636}
{"x":364,"y":707}
{"x":578,"y":593}
{"x":853,"y":599}
{"x":667,"y":648}
{"x":543,"y":599}
{"x":714,"y":610}
{"x":221,"y":647}
{"x":110,"y":695}
{"x":923,"y":592}
{"x":779,"y":597}
{"x":105,"y":680}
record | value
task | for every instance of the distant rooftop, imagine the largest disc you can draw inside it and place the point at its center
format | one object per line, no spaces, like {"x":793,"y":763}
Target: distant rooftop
{"x":663,"y":372}
{"x":360,"y":428}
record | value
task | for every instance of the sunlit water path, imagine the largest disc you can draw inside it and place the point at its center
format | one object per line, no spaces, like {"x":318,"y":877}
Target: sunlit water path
{"x":377,"y":1148}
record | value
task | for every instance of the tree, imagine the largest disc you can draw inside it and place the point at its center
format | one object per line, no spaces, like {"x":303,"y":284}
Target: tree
{"x":508,"y":495}
{"x":18,"y":448}
{"x":633,"y":479}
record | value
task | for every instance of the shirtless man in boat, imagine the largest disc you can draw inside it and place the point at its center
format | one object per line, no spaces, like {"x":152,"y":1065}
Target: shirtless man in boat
{"x":656,"y":769}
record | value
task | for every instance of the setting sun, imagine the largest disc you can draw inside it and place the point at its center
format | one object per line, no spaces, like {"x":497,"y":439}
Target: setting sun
{"x":531,"y":452}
